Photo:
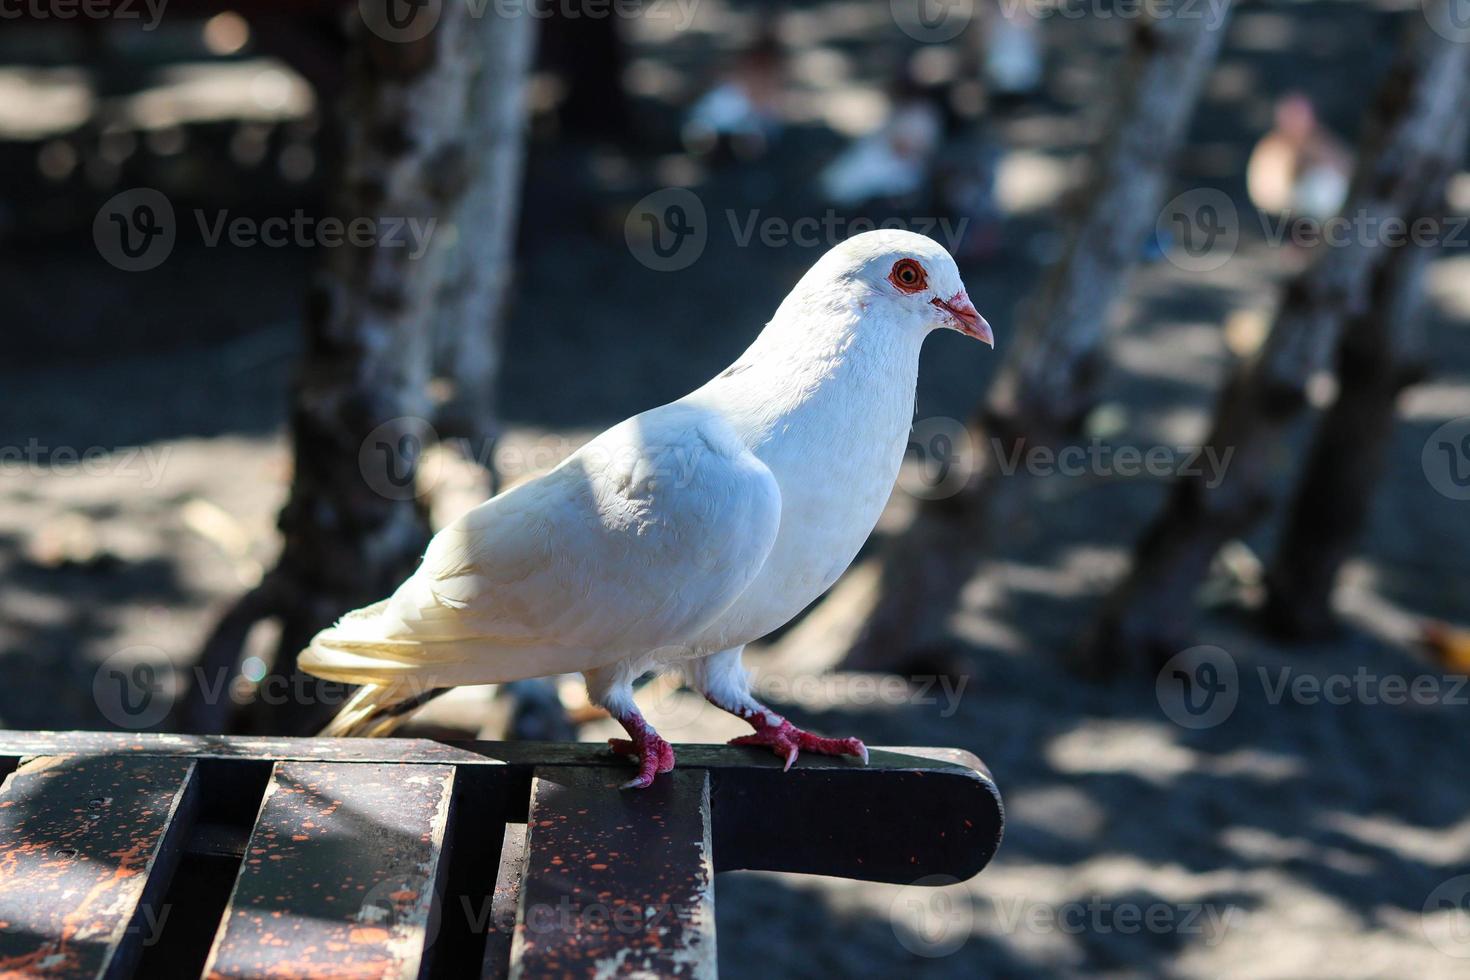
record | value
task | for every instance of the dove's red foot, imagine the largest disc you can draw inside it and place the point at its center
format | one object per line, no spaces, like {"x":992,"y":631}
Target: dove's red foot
{"x":788,"y":741}
{"x":653,"y":753}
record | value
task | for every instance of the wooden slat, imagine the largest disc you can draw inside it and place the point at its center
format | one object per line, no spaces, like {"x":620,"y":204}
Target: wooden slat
{"x":527,"y":755}
{"x":87,"y":846}
{"x":340,"y":875}
{"x":911,"y":813}
{"x":617,"y":883}
{"x":894,"y":825}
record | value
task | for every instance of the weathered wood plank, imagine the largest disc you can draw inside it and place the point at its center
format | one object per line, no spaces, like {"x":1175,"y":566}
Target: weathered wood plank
{"x":909,"y":814}
{"x":341,"y":873}
{"x":516,"y":754}
{"x":616,"y":883}
{"x":898,"y":829}
{"x":87,"y":847}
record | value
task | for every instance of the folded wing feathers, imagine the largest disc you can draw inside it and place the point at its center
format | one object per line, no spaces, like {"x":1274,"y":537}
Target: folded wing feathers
{"x":563,"y":572}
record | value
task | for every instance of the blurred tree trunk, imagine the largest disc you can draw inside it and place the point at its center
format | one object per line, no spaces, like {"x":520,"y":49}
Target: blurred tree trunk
{"x":1382,"y":352}
{"x":480,"y":251}
{"x":1150,"y":616}
{"x":353,"y":526}
{"x":1047,"y":384}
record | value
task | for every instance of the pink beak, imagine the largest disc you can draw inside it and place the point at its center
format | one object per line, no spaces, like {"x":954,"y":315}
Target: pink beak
{"x":965,"y":318}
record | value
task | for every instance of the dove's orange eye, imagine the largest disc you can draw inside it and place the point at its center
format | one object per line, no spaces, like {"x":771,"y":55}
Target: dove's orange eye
{"x":908,"y":276}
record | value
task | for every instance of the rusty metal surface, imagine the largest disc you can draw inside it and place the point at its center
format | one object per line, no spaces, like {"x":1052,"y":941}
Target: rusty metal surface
{"x":616,"y":883}
{"x":340,"y":874}
{"x":86,"y":850}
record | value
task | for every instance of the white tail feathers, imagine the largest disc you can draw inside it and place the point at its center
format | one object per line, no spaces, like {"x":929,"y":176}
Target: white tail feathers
{"x":355,"y":652}
{"x":376,"y":709}
{"x":363,"y":649}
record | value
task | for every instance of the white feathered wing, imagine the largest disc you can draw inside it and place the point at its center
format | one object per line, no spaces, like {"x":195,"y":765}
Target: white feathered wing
{"x":636,"y":542}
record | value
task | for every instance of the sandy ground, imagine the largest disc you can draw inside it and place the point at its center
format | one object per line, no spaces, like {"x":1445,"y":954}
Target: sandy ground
{"x":1295,"y":838}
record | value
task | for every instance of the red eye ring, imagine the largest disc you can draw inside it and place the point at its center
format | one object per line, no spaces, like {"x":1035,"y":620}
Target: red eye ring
{"x":908,"y":276}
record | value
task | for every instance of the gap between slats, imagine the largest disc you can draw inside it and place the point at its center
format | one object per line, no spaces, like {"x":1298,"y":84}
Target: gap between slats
{"x":194,"y":904}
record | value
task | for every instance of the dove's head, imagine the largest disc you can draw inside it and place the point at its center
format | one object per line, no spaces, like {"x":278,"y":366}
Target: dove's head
{"x":902,"y":281}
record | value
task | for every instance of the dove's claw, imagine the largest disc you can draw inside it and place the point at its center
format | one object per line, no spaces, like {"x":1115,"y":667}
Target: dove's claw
{"x":654,"y":755}
{"x":787,"y":741}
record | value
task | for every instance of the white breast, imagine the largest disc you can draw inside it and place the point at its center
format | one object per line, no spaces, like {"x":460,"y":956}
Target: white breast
{"x":835,"y":452}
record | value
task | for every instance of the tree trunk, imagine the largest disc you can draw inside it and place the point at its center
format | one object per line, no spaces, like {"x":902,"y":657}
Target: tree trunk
{"x":1047,"y":383}
{"x":1150,"y":616}
{"x":353,"y":526}
{"x":1382,"y":353}
{"x":480,"y":253}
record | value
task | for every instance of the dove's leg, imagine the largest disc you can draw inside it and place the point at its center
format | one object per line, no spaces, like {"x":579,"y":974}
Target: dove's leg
{"x":612,"y":688}
{"x":721,"y":678}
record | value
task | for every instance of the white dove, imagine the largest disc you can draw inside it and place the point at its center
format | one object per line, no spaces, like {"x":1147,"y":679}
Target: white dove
{"x":682,"y":534}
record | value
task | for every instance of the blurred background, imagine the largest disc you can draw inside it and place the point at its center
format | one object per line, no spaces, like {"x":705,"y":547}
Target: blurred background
{"x":1185,"y":559}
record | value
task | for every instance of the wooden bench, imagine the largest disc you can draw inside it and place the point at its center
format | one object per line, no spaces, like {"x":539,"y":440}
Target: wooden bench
{"x":163,"y":855}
